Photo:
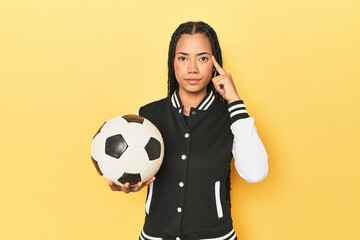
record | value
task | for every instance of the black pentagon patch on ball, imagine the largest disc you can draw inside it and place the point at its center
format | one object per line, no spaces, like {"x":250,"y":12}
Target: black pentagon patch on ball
{"x":96,"y":166}
{"x":132,"y":178}
{"x":133,"y":118}
{"x":115,"y":146}
{"x":153,"y":148}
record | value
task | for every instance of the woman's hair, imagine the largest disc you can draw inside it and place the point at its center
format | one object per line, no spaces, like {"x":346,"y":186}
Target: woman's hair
{"x":192,"y":28}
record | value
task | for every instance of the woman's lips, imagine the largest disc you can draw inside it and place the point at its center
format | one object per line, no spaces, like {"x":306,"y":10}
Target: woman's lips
{"x":192,"y":80}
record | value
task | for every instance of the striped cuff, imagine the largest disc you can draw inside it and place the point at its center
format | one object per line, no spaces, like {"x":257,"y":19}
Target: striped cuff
{"x":237,"y":110}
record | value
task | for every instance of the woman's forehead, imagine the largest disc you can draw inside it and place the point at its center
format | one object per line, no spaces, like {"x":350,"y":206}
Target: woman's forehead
{"x":193,"y":44}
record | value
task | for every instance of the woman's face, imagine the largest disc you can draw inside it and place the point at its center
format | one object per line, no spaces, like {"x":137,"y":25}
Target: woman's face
{"x":193,"y":64}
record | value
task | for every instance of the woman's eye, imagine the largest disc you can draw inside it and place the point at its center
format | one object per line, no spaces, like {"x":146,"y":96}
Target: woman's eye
{"x":203,"y":59}
{"x":181,"y":58}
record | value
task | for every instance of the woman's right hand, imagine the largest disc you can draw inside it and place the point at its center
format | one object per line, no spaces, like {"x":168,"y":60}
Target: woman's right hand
{"x":126,"y":188}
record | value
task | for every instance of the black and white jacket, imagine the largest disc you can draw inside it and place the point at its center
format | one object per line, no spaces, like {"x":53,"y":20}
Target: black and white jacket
{"x":190,"y":197}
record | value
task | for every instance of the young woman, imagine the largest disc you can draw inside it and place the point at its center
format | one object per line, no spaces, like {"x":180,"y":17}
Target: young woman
{"x":204,"y":124}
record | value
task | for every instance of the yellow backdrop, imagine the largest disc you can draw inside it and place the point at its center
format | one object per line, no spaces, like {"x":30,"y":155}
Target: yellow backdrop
{"x":68,"y":66}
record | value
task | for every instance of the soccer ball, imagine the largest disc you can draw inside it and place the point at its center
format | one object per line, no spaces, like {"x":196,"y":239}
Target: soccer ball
{"x":127,"y":148}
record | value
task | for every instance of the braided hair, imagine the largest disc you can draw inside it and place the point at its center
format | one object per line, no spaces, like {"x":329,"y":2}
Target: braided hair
{"x":193,"y":28}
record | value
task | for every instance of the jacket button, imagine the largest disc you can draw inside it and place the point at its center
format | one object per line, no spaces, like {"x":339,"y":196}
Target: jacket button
{"x":183,"y":157}
{"x":186,"y":135}
{"x":179,"y":209}
{"x":193,"y":112}
{"x":181,"y":184}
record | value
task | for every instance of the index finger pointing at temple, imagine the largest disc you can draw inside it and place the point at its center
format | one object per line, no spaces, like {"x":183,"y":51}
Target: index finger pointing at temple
{"x":217,"y":66}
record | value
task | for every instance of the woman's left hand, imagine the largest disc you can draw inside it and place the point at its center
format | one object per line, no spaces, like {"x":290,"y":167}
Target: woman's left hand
{"x":224,"y":84}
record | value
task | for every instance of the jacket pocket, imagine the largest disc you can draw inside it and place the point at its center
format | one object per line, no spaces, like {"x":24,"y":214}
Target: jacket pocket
{"x":218,"y":200}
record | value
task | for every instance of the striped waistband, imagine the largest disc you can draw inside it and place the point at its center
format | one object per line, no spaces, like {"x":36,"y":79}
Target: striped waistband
{"x":229,"y":236}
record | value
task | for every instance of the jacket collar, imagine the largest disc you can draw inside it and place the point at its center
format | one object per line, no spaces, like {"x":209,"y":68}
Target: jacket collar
{"x":203,"y":105}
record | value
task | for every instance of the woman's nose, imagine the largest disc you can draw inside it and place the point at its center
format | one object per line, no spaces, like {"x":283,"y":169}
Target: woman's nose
{"x":192,"y":67}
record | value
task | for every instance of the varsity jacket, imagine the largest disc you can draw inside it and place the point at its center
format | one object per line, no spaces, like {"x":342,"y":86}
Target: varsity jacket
{"x":190,"y":198}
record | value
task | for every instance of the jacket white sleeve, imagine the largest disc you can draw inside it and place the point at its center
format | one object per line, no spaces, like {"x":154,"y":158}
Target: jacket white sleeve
{"x":251,"y":159}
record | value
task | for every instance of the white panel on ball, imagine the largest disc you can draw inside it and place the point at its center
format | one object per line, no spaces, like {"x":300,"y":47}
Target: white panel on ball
{"x":136,"y":159}
{"x":135,"y":134}
{"x":98,"y":147}
{"x":114,"y":125}
{"x":153,"y":131}
{"x":151,"y":169}
{"x":112,"y":168}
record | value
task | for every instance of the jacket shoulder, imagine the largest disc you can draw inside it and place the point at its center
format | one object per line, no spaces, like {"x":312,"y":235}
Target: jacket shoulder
{"x":153,"y":107}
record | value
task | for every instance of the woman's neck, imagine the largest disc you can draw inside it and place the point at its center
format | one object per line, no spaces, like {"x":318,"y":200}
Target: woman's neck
{"x":191,"y":100}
